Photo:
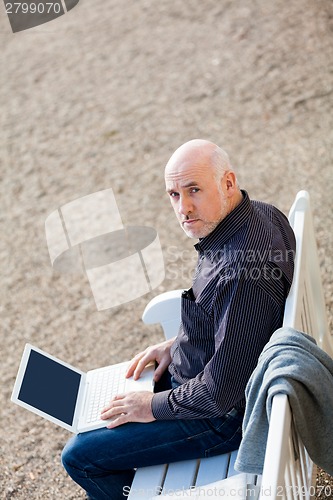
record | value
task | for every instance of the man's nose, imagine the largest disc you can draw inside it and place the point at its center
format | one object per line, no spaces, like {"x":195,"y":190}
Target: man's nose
{"x":185,"y":205}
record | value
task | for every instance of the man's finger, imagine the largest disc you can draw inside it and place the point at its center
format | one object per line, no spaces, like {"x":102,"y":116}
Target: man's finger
{"x":133,"y":364}
{"x":160,"y":370}
{"x":115,"y":404}
{"x":113,"y":412}
{"x":122,"y":419}
{"x":144,"y":361}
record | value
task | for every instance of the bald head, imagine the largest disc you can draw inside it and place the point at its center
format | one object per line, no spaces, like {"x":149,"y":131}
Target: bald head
{"x":200,"y":152}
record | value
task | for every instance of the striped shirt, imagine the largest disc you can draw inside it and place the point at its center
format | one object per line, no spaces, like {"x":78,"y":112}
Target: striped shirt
{"x":243,"y":275}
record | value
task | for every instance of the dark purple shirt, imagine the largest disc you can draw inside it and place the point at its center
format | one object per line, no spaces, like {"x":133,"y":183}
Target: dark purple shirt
{"x":243,"y":276}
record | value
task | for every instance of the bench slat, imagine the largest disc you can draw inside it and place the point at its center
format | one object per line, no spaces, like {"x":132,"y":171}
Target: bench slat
{"x":231,"y":469}
{"x":212,"y":469}
{"x":180,"y":476}
{"x":148,"y":483}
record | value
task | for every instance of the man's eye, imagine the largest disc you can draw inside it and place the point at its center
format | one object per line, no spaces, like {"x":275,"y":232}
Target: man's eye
{"x":194,"y":190}
{"x":173,"y":194}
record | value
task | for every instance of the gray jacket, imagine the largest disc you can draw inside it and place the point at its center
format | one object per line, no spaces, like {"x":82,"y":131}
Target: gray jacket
{"x":291,"y":363}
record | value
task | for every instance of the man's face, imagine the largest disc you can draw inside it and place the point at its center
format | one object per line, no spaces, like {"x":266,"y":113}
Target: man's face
{"x":196,"y":196}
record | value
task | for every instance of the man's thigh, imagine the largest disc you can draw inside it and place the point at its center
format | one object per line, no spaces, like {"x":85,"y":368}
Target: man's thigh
{"x":138,"y":444}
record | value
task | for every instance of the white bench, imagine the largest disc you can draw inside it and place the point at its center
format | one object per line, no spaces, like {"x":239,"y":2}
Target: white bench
{"x":282,"y":477}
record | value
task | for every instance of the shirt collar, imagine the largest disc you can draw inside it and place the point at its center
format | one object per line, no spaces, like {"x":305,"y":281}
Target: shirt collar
{"x":227,"y":227}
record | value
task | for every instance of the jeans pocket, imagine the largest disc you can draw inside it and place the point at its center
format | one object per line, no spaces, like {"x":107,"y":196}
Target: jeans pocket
{"x":227,"y":431}
{"x":225,"y":445}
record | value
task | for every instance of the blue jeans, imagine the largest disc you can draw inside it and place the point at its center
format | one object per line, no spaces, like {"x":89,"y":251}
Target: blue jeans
{"x":102,"y":462}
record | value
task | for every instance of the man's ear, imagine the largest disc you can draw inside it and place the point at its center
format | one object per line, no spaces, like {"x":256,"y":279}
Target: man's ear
{"x":230,"y":182}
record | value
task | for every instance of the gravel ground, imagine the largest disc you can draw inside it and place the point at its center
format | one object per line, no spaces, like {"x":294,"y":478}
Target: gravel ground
{"x":100,"y":98}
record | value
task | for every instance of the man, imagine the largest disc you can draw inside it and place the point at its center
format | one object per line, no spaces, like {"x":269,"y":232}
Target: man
{"x":243,"y":275}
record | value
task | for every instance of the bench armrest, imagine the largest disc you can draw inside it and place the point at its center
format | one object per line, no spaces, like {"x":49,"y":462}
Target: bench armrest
{"x":165,"y":309}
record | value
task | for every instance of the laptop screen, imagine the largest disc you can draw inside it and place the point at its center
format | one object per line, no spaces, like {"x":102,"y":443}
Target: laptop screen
{"x":50,"y":387}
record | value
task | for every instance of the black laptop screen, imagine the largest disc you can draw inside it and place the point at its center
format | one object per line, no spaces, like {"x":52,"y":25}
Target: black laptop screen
{"x":50,"y":387}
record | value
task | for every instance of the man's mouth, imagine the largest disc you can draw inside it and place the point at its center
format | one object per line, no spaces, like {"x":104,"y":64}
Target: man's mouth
{"x":189,"y":221}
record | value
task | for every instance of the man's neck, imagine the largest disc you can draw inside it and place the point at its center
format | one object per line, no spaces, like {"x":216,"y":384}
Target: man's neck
{"x":235,"y":201}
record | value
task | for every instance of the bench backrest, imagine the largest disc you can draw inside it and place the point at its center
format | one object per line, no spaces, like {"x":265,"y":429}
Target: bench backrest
{"x":305,"y":311}
{"x":305,"y":305}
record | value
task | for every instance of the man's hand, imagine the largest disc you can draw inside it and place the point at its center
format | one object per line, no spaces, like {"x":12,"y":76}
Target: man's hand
{"x":136,"y":406}
{"x":158,"y":352}
{"x":131,"y":407}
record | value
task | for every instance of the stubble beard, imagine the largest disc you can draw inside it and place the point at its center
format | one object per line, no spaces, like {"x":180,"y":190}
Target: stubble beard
{"x":205,"y":230}
{"x":207,"y":227}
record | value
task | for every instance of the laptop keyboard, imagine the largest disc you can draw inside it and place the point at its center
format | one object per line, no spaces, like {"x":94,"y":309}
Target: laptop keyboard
{"x":104,"y":385}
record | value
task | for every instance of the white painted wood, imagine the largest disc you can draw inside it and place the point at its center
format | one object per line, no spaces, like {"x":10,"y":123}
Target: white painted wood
{"x":147,"y":482}
{"x":231,"y":469}
{"x":212,"y":469}
{"x":164,"y":309}
{"x":304,"y":310}
{"x":277,"y":448}
{"x":305,"y":304}
{"x":180,"y":476}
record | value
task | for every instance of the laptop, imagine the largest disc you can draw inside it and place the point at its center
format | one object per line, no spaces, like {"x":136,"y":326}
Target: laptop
{"x":67,"y":396}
